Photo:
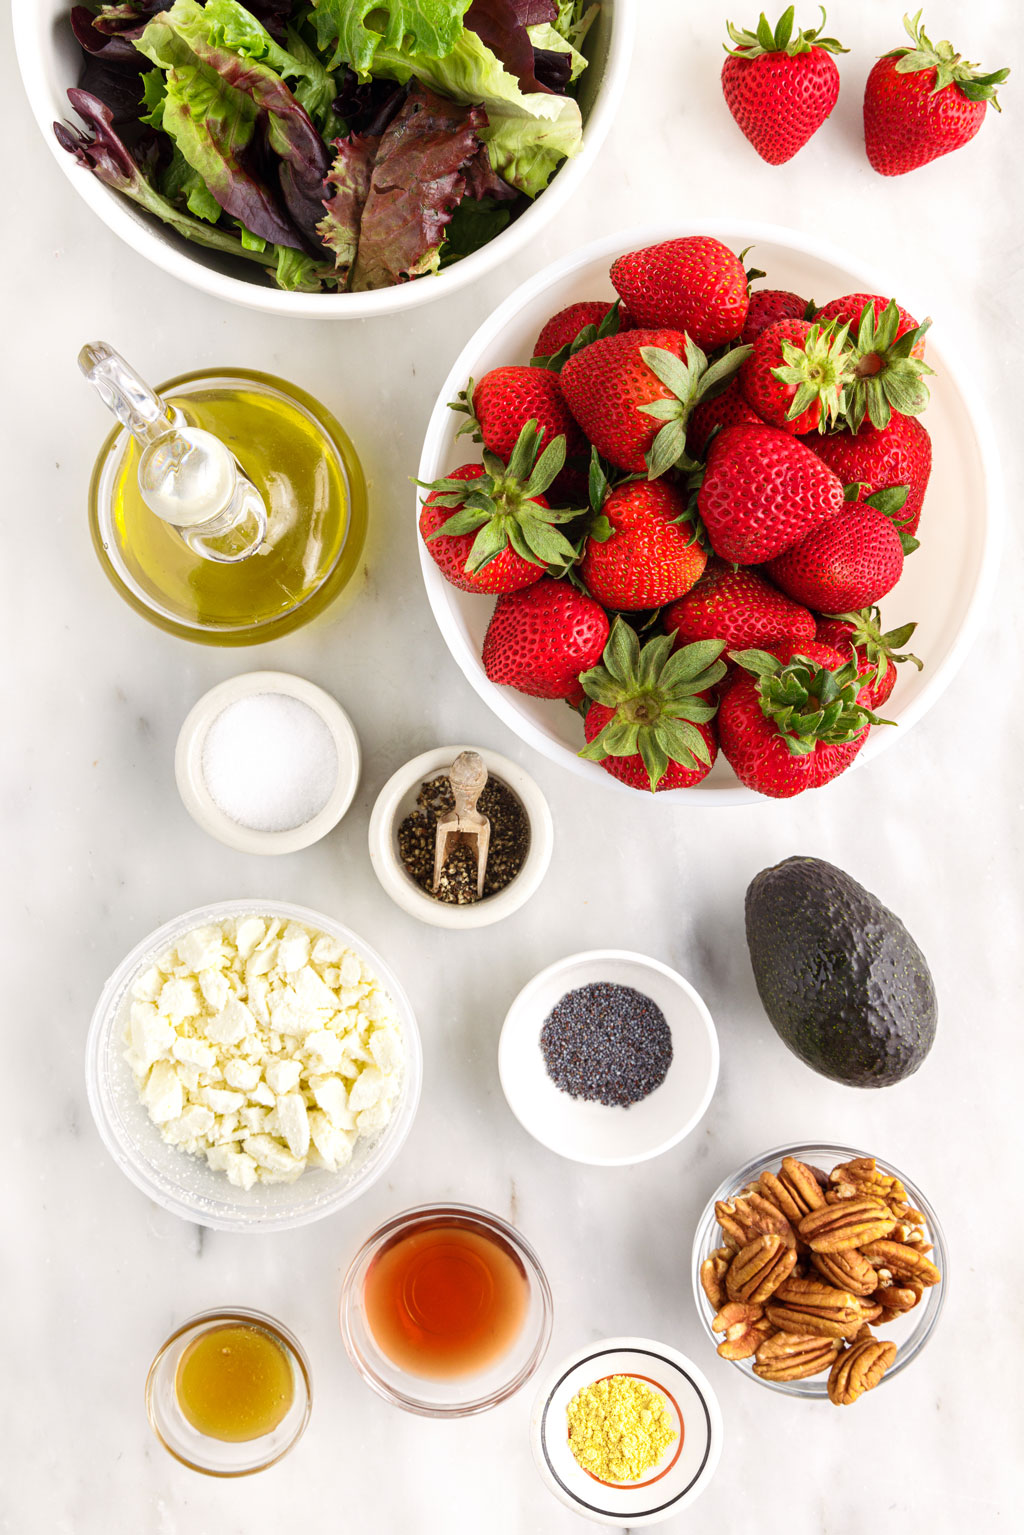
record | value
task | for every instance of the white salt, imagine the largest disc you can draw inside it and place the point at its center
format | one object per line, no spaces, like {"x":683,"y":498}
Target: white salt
{"x":270,"y":762}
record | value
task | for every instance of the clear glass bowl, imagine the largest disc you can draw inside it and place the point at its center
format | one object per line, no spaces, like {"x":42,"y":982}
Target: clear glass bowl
{"x":458,"y":1397}
{"x":184,"y":1184}
{"x":909,"y":1332}
{"x":217,"y":1457}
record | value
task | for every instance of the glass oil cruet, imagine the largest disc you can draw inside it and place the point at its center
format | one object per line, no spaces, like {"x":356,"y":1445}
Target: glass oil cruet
{"x":229,"y":506}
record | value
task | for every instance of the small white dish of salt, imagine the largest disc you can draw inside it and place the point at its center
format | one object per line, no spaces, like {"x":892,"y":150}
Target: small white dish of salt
{"x":267,"y":762}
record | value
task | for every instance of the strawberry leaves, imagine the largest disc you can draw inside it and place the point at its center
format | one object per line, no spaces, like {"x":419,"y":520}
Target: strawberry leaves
{"x":807,"y":702}
{"x":689,"y":382}
{"x":748,"y":45}
{"x":949,"y":67}
{"x":817,"y":369}
{"x":885,"y":377}
{"x":502,"y":504}
{"x":880,"y":648}
{"x":656,"y":696}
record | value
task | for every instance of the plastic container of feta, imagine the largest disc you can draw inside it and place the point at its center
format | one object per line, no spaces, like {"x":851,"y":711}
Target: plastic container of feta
{"x":184,"y":1184}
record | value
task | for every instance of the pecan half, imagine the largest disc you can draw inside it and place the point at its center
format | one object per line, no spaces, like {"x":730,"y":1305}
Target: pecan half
{"x":848,"y":1223}
{"x":859,"y":1368}
{"x":759,"y":1268}
{"x":712,"y":1275}
{"x":809,"y":1306}
{"x":751,"y":1215}
{"x":790,"y":1356}
{"x":864,"y":1175}
{"x":895,"y":1300}
{"x":794,"y":1189}
{"x":847,"y":1271}
{"x":901,"y":1261}
{"x":745,"y":1329}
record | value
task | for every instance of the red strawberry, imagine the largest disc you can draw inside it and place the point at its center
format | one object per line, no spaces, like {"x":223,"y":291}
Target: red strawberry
{"x":794,"y":376}
{"x":651,"y":555}
{"x":539,"y":640}
{"x":923,"y":101}
{"x":568,"y":325}
{"x":899,"y":454}
{"x":649,"y":720}
{"x":726,"y":409}
{"x":507,"y":535}
{"x":849,"y":562}
{"x":739,"y":607}
{"x":500,"y":405}
{"x":763,"y":492}
{"x":886,"y":358}
{"x":876,"y":652}
{"x":768,"y":305}
{"x":787,"y":724}
{"x":849,"y":309}
{"x":778,"y":87}
{"x":695,"y":284}
{"x":632,"y":395}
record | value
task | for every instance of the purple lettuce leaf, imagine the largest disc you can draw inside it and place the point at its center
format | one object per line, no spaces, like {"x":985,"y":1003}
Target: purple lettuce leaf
{"x":553,"y":70}
{"x":127,"y":20}
{"x":109,"y":159}
{"x":482,"y":180}
{"x":501,"y":25}
{"x":367,"y":106}
{"x":350,"y":177}
{"x":416,"y":184}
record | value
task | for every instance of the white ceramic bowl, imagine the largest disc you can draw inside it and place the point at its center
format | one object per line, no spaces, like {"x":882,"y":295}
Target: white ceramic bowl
{"x":49,"y":59}
{"x":590,"y":1132}
{"x":184,"y":1184}
{"x":199,"y":802}
{"x":398,"y":798}
{"x":685,"y":1470}
{"x":946,"y":587}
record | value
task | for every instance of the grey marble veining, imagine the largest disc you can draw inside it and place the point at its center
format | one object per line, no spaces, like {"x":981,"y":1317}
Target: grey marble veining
{"x":97,"y":849}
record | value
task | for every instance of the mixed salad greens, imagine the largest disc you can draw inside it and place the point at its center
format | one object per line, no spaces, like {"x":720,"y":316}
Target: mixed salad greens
{"x":340,"y":144}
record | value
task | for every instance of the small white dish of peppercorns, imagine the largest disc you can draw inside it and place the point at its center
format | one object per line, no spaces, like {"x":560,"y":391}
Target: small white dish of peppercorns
{"x":608,"y":1057}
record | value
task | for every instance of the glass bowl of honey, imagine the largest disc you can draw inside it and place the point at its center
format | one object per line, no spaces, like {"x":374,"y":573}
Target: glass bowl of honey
{"x":230,"y":1392}
{"x":446,"y":1311}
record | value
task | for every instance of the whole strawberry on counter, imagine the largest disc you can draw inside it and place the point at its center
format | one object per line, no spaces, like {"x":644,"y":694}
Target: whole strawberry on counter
{"x":488,"y":526}
{"x":780,"y":86}
{"x":795,"y":719}
{"x":633,"y":394}
{"x":877,"y":652}
{"x":763,"y":492}
{"x":540,"y":639}
{"x":649,"y":552}
{"x":694,"y":284}
{"x":795,"y":377}
{"x":849,"y":562}
{"x":885,"y":458}
{"x":649,"y":720}
{"x":740,"y":608}
{"x":923,"y":101}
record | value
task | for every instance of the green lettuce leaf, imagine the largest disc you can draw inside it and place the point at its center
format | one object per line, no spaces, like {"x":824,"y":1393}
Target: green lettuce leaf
{"x":575,"y":19}
{"x":231,"y":26}
{"x":527,"y":136}
{"x":296,"y":272}
{"x":429,"y":27}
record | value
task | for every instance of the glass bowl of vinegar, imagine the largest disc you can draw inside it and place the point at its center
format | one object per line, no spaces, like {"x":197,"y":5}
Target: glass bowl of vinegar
{"x":446,"y":1311}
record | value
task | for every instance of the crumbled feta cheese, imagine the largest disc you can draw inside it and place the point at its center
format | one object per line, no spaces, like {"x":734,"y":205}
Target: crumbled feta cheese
{"x":266,"y":1048}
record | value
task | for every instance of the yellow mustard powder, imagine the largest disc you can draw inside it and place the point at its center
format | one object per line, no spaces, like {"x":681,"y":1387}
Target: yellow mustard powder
{"x":619,"y":1427}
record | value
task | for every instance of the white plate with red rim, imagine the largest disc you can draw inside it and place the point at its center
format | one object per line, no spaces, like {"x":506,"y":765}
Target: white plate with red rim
{"x":687,"y":1465}
{"x":945,"y":587}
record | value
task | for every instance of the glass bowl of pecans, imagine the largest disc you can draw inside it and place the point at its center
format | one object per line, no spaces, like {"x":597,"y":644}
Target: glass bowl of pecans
{"x":819,"y":1270}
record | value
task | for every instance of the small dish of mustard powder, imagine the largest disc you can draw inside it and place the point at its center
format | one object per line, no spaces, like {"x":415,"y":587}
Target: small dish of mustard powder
{"x":619,"y":1427}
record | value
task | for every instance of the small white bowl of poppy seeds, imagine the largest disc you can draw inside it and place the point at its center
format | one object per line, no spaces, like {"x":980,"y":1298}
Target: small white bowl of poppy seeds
{"x":403,"y":832}
{"x":608,"y":1057}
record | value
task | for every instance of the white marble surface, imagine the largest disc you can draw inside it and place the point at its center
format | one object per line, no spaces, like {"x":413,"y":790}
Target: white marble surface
{"x":97,"y":850}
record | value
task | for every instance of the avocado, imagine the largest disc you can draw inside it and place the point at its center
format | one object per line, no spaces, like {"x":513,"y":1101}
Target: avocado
{"x":844,"y":984}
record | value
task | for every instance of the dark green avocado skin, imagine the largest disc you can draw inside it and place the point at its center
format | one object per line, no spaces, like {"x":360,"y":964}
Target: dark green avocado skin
{"x":844,"y":984}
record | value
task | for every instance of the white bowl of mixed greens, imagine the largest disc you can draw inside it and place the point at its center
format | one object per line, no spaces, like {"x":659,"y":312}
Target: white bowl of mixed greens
{"x":325,"y":157}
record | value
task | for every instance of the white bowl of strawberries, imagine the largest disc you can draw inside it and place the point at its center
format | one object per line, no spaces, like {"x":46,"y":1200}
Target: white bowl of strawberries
{"x":691,"y":552}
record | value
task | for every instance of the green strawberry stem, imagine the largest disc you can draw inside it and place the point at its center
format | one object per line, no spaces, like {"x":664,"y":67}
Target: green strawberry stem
{"x":609,"y":326}
{"x":690,"y":381}
{"x":747,"y":45}
{"x":808,"y":703}
{"x":884,"y":377}
{"x":949,"y":67}
{"x":881,"y":648}
{"x":502,"y":505}
{"x":655,"y":695}
{"x":818,"y":369}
